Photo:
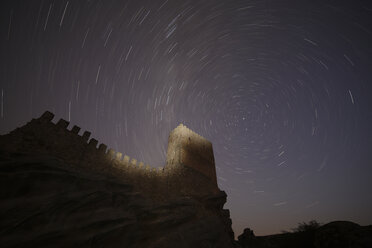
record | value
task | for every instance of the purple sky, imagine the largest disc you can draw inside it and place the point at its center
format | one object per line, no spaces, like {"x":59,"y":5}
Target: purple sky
{"x":281,"y":88}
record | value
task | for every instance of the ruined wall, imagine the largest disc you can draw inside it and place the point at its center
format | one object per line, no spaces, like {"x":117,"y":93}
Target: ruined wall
{"x":190,"y":168}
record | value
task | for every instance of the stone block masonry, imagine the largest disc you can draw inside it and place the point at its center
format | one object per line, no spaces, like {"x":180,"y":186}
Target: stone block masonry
{"x":189,"y":169}
{"x":188,"y":149}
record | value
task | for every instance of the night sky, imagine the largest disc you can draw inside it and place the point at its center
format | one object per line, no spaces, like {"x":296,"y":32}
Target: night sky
{"x":283,"y":90}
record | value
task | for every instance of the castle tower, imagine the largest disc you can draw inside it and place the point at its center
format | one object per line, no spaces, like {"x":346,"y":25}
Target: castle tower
{"x":187,"y":149}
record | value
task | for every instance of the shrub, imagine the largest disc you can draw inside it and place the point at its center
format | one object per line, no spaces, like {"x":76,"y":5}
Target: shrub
{"x":305,"y":227}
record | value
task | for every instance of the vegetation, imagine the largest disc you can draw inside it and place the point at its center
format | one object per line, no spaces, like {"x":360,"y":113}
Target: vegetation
{"x":305,"y":227}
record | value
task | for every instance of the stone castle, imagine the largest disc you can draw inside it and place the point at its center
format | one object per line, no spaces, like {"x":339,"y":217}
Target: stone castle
{"x":189,"y":169}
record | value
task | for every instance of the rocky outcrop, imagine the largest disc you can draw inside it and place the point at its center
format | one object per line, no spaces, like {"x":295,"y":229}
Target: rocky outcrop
{"x":46,"y":203}
{"x":246,"y":238}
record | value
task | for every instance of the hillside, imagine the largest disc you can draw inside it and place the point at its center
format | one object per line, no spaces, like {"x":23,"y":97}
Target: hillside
{"x":336,"y":234}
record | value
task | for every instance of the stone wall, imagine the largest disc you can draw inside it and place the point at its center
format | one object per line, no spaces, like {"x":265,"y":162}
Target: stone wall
{"x":189,"y":149}
{"x":190,"y":168}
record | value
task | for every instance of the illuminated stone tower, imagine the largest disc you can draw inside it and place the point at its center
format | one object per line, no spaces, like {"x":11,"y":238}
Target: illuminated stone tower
{"x":193,"y":155}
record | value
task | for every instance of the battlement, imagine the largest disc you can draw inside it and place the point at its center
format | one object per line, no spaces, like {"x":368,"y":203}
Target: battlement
{"x":189,"y":168}
{"x":116,"y":157}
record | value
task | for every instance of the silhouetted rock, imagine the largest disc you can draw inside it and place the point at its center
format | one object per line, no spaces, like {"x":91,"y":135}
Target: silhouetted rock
{"x":246,"y":237}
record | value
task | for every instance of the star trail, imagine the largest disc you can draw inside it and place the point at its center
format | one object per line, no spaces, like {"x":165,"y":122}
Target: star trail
{"x":281,"y":88}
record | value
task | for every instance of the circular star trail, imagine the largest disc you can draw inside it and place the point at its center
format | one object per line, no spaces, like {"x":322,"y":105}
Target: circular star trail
{"x":281,"y":89}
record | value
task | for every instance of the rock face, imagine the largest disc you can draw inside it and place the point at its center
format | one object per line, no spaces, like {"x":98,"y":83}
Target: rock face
{"x":44,"y":203}
{"x":65,"y":192}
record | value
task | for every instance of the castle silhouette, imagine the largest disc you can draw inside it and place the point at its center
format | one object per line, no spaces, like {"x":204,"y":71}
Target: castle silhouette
{"x":189,"y":169}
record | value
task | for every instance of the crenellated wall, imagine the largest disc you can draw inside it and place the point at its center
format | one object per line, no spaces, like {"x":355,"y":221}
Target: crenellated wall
{"x":189,"y":169}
